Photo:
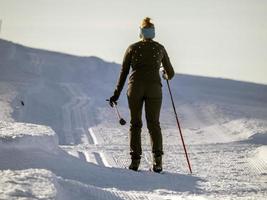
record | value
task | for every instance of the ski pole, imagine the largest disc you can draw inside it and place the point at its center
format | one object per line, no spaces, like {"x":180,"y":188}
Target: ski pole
{"x":121,"y":120}
{"x":179,"y":127}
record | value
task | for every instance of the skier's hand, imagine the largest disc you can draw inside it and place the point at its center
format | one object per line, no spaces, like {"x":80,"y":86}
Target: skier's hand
{"x":164,"y":75}
{"x":113,"y":100}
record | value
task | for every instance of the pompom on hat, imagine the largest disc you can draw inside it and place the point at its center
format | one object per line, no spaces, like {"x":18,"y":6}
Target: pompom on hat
{"x":147,"y":29}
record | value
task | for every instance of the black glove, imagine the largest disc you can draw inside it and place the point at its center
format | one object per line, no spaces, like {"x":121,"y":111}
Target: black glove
{"x":113,"y":100}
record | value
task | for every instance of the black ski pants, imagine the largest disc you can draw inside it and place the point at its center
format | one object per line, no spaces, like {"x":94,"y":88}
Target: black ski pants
{"x":150,"y":95}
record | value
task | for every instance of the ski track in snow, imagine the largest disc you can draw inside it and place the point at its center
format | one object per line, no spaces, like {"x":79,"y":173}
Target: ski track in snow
{"x":228,"y":156}
{"x":95,"y":141}
{"x":228,"y":165}
{"x":75,"y":114}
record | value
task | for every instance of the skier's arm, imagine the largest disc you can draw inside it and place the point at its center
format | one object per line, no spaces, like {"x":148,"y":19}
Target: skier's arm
{"x":124,"y":72}
{"x":167,"y":65}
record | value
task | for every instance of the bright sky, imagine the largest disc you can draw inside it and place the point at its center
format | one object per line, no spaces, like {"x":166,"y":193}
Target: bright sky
{"x":219,"y":38}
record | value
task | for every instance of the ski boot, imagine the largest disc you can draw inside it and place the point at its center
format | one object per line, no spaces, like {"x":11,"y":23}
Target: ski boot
{"x":157,"y":164}
{"x":134,"y":164}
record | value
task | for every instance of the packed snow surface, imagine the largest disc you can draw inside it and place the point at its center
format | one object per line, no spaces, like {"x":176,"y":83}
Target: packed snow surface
{"x":20,"y":130}
{"x":59,"y":139}
{"x":27,"y":184}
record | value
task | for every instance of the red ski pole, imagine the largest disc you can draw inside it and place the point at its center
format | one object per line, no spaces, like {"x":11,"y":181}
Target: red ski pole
{"x":178,"y":124}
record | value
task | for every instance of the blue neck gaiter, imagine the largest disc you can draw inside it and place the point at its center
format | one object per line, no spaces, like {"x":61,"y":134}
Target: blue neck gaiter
{"x":147,"y":33}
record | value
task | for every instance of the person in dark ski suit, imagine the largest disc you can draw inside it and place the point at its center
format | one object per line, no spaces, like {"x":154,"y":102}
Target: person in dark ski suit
{"x":144,"y":88}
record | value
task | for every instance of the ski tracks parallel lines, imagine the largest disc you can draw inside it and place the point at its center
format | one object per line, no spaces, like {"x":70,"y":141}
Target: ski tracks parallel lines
{"x":258,"y":166}
{"x":104,"y":160}
{"x":75,"y":121}
{"x":100,"y":156}
{"x":93,"y":136}
{"x":136,"y":195}
{"x":82,"y":156}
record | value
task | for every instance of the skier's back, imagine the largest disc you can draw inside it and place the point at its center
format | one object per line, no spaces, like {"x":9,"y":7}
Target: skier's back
{"x":144,"y":87}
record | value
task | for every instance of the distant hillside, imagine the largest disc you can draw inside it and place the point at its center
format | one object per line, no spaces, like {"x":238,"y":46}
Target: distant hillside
{"x":20,"y":63}
{"x":50,"y":82}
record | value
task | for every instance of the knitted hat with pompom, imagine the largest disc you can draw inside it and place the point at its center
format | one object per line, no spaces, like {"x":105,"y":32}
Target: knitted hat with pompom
{"x":147,"y":29}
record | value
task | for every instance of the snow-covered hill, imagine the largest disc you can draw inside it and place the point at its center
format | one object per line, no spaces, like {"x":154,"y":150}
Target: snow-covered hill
{"x":84,"y":153}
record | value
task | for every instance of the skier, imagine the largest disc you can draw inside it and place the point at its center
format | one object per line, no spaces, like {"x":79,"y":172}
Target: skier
{"x":144,"y":88}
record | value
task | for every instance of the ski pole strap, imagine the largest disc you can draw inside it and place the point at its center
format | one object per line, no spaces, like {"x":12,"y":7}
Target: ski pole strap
{"x":117,"y":111}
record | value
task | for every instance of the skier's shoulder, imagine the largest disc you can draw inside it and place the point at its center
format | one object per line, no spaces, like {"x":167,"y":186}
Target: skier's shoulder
{"x":159,"y":45}
{"x":132,"y":46}
{"x":141,"y":43}
{"x":135,"y":45}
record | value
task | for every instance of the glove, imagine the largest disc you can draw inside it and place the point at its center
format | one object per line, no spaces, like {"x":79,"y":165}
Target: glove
{"x":164,"y":75}
{"x":113,"y":100}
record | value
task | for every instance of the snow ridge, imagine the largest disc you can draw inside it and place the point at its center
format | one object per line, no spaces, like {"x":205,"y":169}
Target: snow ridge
{"x":24,"y":135}
{"x":65,"y":138}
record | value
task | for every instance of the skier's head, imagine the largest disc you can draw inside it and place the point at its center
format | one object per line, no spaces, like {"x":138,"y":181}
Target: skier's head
{"x":147,"y":29}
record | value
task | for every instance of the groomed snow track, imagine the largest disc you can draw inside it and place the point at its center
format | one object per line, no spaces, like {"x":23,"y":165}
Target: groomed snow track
{"x":224,"y":124}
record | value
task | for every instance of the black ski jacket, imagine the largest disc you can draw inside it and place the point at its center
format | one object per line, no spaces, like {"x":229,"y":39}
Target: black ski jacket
{"x":145,"y":58}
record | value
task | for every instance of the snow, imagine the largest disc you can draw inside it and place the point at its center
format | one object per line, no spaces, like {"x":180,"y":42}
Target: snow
{"x":70,"y":168}
{"x":27,"y":184}
{"x":21,"y":130}
{"x":7,"y":93}
{"x":253,"y":130}
{"x":65,"y":142}
{"x":22,"y":135}
{"x":262,"y":153}
{"x":258,"y":160}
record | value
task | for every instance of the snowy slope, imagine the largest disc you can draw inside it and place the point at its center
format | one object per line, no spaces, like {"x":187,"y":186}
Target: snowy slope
{"x":85,"y":152}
